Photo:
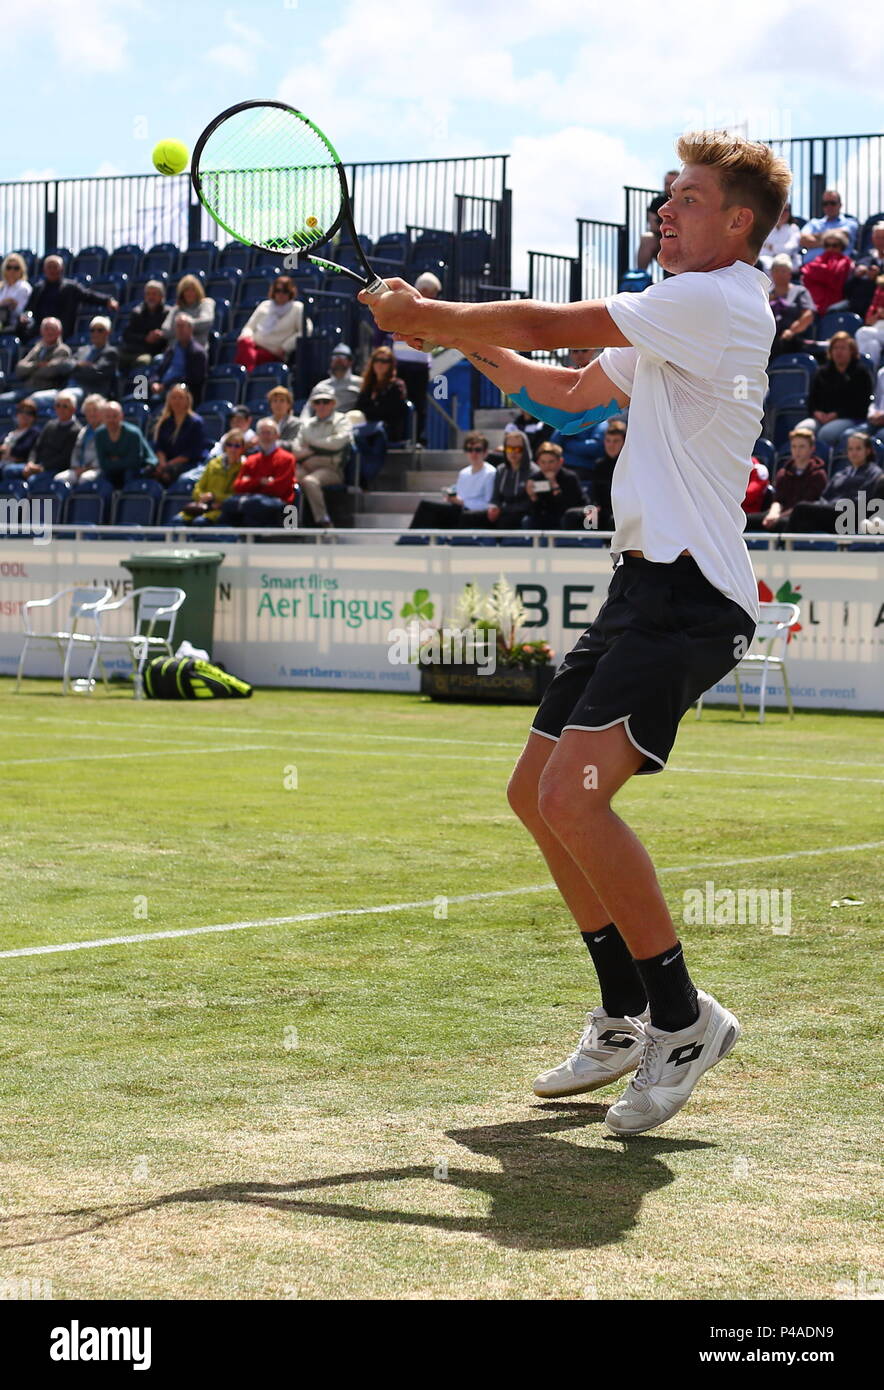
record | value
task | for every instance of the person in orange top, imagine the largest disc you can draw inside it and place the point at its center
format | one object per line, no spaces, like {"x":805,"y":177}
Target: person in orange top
{"x":265,"y":484}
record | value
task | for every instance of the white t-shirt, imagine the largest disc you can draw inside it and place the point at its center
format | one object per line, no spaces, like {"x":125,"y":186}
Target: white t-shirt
{"x":696,"y":380}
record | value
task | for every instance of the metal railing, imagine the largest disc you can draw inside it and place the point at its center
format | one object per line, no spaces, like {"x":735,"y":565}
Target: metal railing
{"x":853,"y":164}
{"x":602,"y":254}
{"x":555,"y":279}
{"x":149,"y":208}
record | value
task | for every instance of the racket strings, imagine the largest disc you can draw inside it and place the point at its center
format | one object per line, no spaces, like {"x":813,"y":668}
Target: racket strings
{"x":270,"y":179}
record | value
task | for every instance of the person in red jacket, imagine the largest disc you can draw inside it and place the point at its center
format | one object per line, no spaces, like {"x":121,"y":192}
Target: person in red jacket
{"x":825,"y":276}
{"x":802,"y":478}
{"x":758,"y":488}
{"x":265,"y":484}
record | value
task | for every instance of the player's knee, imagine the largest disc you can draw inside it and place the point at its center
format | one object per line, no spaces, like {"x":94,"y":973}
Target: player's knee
{"x":521,"y":793}
{"x":565,"y":807}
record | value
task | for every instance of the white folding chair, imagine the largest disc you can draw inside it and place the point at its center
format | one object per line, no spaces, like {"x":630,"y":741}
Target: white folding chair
{"x":773,"y":629}
{"x":85,"y":608}
{"x":150,"y":606}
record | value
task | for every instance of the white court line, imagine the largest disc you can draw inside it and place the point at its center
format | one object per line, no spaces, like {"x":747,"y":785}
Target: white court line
{"x":409,"y":907}
{"x":414,"y":738}
{"x":182,"y":749}
{"x":790,"y":776}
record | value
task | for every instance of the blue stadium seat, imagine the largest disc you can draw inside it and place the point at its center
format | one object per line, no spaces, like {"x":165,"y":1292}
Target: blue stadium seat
{"x":66,"y":254}
{"x":177,"y":493}
{"x":785,"y":418}
{"x":29,"y":259}
{"x":864,"y":240}
{"x":47,"y":485}
{"x":226,"y":383}
{"x":13,"y":487}
{"x":265,"y":377}
{"x":239,"y":317}
{"x":234,"y":254}
{"x":201,"y":258}
{"x":215,"y":416}
{"x":226,"y":349}
{"x":89,"y":503}
{"x":474,"y":251}
{"x":163,"y":256}
{"x":9,"y":347}
{"x":136,"y":412}
{"x":224,"y":284}
{"x":787,"y":386}
{"x":91,"y":260}
{"x":838,"y":321}
{"x":392,"y":245}
{"x":634,"y":281}
{"x":255,"y":286}
{"x":763,"y":450}
{"x":138,"y":503}
{"x":126,"y":260}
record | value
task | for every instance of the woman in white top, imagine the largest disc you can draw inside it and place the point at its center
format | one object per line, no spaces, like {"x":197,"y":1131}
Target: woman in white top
{"x":15,"y":291}
{"x":784,"y":240}
{"x":191,"y":298}
{"x":273,"y":328}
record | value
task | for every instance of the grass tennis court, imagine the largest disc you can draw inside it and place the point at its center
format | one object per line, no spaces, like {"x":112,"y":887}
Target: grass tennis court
{"x":342,"y":1107}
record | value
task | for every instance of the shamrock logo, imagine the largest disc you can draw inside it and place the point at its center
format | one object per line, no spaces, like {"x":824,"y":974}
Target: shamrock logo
{"x":784,"y":594}
{"x":419,"y":607}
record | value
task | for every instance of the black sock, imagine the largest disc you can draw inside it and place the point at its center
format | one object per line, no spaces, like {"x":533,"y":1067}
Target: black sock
{"x":622,"y":990}
{"x":671,"y":992}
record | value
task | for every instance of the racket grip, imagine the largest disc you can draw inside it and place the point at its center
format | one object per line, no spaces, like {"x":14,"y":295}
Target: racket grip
{"x":375,"y":287}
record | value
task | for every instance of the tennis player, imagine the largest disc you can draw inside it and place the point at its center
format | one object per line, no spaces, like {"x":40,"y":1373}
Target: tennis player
{"x":688,"y":357}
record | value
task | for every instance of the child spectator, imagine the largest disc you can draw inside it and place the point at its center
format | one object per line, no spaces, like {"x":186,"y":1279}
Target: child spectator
{"x":551,"y":496}
{"x":801,"y":478}
{"x":861,"y":475}
{"x":467,"y":502}
{"x":510,"y":503}
{"x":280,"y":400}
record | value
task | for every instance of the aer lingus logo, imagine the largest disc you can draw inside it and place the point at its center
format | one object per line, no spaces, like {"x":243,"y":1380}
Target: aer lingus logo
{"x":419,"y":607}
{"x":784,"y":594}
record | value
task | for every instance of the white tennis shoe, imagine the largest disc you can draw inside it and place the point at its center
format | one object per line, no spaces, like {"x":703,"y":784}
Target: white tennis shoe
{"x":670,"y":1067}
{"x":608,"y":1048}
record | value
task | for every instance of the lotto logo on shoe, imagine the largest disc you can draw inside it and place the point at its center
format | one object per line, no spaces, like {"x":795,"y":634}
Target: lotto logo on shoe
{"x":76,"y":1343}
{"x":616,"y":1037}
{"x":688,"y":1052}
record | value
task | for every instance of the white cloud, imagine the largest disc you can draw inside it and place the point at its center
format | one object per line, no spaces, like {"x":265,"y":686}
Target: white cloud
{"x":240,"y":54}
{"x":89,"y":36}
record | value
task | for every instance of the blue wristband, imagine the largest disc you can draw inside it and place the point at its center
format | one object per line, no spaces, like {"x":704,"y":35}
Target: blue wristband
{"x":565,"y":421}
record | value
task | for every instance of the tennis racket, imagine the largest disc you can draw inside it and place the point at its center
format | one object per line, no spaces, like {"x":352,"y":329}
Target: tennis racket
{"x":270,"y":178}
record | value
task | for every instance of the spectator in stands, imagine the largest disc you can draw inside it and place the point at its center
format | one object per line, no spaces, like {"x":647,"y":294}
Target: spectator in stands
{"x":241,"y":421}
{"x":15,"y":290}
{"x":280,"y":401}
{"x":598,"y":515}
{"x":120,"y":448}
{"x":826,"y":275}
{"x":870,"y":338}
{"x":550,"y":496}
{"x":321,"y":449}
{"x":783,"y":240}
{"x":56,"y":297}
{"x":383,"y":402}
{"x":813,"y":233}
{"x":184,"y":360}
{"x":413,"y":364}
{"x":861,"y":284}
{"x":143,"y":336}
{"x":650,"y":242}
{"x":264,"y":485}
{"x":345,"y":384}
{"x":44,"y":367}
{"x":792,"y":306}
{"x":273,"y":327}
{"x":179,"y":437}
{"x":839,"y":392}
{"x":510,"y":503}
{"x":95,"y":366}
{"x":758,"y":489}
{"x":55,"y":443}
{"x":875,"y":414}
{"x":860,"y":476}
{"x":466,"y":503}
{"x":18,"y":443}
{"x":84,"y":459}
{"x":801,"y":478}
{"x":215,"y":484}
{"x":192,"y":300}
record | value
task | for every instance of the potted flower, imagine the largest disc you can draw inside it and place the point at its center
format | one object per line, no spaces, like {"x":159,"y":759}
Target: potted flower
{"x":481,"y":654}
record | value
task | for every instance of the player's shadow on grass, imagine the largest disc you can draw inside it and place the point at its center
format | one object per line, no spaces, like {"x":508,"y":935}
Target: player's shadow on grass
{"x":548,"y":1195}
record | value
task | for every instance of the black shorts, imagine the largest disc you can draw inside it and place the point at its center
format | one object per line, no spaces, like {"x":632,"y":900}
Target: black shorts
{"x":662,"y":638}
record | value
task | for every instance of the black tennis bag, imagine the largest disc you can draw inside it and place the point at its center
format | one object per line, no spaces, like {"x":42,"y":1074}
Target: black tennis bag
{"x":188,"y":678}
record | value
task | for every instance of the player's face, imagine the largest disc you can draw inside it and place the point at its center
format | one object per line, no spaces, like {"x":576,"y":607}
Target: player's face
{"x":697,"y":232}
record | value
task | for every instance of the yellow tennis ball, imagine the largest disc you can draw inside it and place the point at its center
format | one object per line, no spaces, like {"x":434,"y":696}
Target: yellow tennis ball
{"x":312,"y":221}
{"x":170,"y":156}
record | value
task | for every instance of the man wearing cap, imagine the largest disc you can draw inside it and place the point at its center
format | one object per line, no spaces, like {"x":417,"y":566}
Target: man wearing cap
{"x":320,"y":448}
{"x":95,"y":367}
{"x":342,"y":381}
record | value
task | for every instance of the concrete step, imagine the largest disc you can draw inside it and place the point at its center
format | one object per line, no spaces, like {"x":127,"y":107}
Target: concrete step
{"x":373,"y":521}
{"x":399,"y":502}
{"x":496,"y":418}
{"x":426,"y":482}
{"x":430,"y":459}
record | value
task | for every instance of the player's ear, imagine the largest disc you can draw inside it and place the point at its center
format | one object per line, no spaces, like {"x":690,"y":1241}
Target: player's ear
{"x":741,"y":220}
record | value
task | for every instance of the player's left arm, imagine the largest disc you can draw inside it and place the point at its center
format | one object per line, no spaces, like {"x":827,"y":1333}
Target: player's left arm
{"x":564,"y":397}
{"x":512,"y":323}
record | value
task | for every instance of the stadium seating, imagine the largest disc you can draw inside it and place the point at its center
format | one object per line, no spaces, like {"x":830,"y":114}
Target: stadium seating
{"x":89,"y":503}
{"x":837,"y":321}
{"x":138,"y":503}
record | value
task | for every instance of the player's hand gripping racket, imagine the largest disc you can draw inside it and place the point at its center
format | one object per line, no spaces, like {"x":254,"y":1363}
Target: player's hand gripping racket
{"x":271,"y":179}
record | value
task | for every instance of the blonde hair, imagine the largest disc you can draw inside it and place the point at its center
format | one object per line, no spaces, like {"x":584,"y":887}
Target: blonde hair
{"x":802,"y":432}
{"x":14,"y":259}
{"x":749,"y":172}
{"x":277,"y":393}
{"x":189,"y":282}
{"x":167,"y":409}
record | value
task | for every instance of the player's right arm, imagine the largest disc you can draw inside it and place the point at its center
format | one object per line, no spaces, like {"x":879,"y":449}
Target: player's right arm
{"x":564,"y":397}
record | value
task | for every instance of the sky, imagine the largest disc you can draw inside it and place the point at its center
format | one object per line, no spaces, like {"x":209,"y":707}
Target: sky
{"x":584,"y":96}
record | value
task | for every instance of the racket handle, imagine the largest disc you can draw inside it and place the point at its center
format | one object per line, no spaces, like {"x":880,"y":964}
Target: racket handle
{"x":375,"y":287}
